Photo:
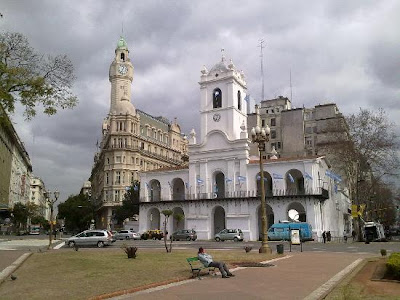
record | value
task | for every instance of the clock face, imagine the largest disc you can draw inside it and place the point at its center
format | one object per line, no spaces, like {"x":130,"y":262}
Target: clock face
{"x":122,"y":69}
{"x":216,"y":117}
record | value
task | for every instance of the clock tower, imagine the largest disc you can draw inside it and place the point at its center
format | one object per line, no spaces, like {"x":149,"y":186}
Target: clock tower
{"x":223,"y":90}
{"x":121,"y":76}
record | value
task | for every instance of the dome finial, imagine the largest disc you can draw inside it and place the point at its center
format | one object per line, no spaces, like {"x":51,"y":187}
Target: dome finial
{"x":223,"y":55}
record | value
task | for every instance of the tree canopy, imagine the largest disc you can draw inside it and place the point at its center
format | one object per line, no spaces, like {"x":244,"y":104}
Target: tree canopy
{"x":33,"y":79}
{"x":77,"y":211}
{"x":130,"y":203}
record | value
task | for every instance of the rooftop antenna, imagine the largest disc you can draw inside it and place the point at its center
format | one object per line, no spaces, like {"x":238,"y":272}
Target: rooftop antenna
{"x":262,"y":68}
{"x":290,"y":78}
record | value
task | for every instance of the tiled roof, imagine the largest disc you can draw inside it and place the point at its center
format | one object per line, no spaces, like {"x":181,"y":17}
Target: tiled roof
{"x":168,"y":169}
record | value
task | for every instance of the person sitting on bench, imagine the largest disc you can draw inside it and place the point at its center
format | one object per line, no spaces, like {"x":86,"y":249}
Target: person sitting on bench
{"x":207,"y":261}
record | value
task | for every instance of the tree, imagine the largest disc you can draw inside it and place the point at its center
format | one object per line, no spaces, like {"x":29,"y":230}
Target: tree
{"x":77,"y":211}
{"x":130,"y":203}
{"x":167,"y":213}
{"x":33,"y":79}
{"x":20,"y":215}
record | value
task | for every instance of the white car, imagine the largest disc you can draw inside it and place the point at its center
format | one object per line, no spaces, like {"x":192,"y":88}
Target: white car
{"x":126,"y":235}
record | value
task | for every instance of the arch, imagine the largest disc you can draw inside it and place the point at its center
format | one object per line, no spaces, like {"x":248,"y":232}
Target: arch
{"x":300,"y":209}
{"x":294,"y":182}
{"x":217,"y":98}
{"x":123,"y":56}
{"x":219,"y":185}
{"x":155,"y":190}
{"x":153,"y":219}
{"x":178,"y":189}
{"x":270,"y":219}
{"x":239,"y":99}
{"x":267,"y":184}
{"x":218,"y":217}
{"x":176,"y":223}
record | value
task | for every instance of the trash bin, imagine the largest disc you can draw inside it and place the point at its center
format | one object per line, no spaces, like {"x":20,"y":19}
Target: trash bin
{"x":279,"y":248}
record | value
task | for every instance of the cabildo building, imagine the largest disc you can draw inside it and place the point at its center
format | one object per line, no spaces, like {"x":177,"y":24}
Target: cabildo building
{"x":220,"y":186}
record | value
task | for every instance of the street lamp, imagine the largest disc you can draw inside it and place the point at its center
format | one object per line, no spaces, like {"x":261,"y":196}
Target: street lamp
{"x":51,"y":201}
{"x":261,"y":136}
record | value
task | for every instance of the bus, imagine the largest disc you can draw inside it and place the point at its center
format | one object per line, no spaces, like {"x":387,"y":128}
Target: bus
{"x":374,"y":232}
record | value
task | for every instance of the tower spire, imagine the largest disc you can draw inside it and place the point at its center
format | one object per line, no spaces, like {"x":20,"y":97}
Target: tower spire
{"x":262,"y":68}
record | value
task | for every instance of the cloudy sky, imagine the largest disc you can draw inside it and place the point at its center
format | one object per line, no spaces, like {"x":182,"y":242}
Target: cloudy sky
{"x":345,"y":52}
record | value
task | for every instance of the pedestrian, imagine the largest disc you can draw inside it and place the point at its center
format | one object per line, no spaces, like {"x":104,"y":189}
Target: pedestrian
{"x":353,"y":235}
{"x":324,"y":237}
{"x":345,"y":236}
{"x":207,"y":261}
{"x":328,"y":236}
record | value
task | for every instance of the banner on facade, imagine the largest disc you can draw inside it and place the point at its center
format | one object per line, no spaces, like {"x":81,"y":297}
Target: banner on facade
{"x":354,"y":212}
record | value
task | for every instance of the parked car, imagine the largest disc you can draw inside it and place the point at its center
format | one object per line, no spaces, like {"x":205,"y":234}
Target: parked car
{"x":184,"y":234}
{"x":229,"y":234}
{"x":126,"y":235}
{"x":152,"y":234}
{"x":99,"y":238}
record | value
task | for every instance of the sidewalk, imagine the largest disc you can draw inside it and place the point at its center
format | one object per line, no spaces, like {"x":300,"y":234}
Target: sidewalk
{"x":306,"y":275}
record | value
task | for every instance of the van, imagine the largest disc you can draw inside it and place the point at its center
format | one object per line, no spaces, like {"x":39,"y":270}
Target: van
{"x":280,"y":231}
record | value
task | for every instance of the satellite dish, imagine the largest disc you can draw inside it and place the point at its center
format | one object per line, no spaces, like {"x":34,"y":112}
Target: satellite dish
{"x":293,"y":215}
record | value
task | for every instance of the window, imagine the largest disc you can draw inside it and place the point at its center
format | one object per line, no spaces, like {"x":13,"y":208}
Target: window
{"x":273,"y":134}
{"x":272,"y":111}
{"x":107,"y":178}
{"x":118,"y":177}
{"x":273,"y":145}
{"x":217,"y":98}
{"x":278,"y":144}
{"x":308,"y":130}
{"x":116,"y":196}
{"x":239,"y":98}
{"x":273,"y":122}
{"x":132,"y":177}
{"x":118,"y":159}
{"x":262,"y":123}
{"x":108,"y":161}
{"x":123,"y":56}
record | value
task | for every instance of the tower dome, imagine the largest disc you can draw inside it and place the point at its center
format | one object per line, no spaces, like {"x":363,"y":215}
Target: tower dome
{"x":122,"y":44}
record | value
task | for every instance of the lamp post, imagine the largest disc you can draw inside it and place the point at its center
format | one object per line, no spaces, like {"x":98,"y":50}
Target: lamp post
{"x":51,"y":201}
{"x":261,"y":136}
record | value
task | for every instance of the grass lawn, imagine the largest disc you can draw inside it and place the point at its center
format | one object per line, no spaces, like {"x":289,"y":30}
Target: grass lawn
{"x":68,"y":274}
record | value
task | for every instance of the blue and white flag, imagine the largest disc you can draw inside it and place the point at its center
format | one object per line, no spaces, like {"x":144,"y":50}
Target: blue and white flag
{"x":258,"y":177}
{"x":291,"y":178}
{"x":241,"y":178}
{"x":307,"y":176}
{"x":336,"y":188}
{"x":332,"y":175}
{"x":277,"y":176}
{"x":147,"y":185}
{"x":228,"y":180}
{"x":187,"y":185}
{"x":199,"y":181}
{"x":135,"y":188}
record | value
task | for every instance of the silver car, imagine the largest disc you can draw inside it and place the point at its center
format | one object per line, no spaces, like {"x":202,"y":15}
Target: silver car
{"x":126,"y":235}
{"x":229,"y":234}
{"x":99,"y":238}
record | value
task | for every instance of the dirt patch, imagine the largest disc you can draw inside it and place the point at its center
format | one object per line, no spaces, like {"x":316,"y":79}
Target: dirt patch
{"x":370,"y":277}
{"x":252,"y":264}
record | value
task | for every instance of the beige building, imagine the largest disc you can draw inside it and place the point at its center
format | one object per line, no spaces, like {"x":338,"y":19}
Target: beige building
{"x":132,"y":141}
{"x":37,"y":196}
{"x":295,"y":132}
{"x":15,"y":166}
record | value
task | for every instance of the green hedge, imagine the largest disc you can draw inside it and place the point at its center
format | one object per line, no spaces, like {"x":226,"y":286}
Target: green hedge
{"x":393,"y":265}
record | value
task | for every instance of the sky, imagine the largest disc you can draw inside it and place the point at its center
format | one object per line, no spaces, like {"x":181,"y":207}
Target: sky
{"x":346,"y":52}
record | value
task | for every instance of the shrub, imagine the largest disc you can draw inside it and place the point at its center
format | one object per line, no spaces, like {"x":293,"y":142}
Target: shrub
{"x":393,"y":265}
{"x":130,"y":251}
{"x":383,"y":252}
{"x":247,"y":249}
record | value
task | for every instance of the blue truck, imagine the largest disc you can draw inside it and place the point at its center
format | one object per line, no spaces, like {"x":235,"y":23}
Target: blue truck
{"x":280,"y":231}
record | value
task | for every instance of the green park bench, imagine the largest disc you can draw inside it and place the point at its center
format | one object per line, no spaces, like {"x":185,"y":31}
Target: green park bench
{"x":196,"y":266}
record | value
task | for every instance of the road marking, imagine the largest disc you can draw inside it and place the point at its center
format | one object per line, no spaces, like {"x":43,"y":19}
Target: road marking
{"x":59,"y":246}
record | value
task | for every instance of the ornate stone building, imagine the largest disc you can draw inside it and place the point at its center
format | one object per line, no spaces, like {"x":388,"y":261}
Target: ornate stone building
{"x":220,"y":187}
{"x":132,"y":141}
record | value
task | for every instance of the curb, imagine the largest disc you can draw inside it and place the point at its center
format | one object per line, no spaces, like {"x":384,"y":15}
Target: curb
{"x":15,"y":265}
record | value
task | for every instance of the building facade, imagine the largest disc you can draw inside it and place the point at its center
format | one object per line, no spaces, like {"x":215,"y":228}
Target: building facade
{"x":220,"y":187}
{"x":296,"y":132}
{"x":15,"y":166}
{"x":132,"y":141}
{"x":37,"y":196}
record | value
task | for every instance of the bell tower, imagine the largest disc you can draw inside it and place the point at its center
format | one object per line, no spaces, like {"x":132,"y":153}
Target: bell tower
{"x":222,"y":104}
{"x":121,"y":77}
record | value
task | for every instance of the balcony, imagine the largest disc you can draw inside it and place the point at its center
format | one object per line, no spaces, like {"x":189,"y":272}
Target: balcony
{"x":319,"y":193}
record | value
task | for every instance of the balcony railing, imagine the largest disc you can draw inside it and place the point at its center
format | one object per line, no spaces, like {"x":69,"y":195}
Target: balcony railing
{"x":319,"y":192}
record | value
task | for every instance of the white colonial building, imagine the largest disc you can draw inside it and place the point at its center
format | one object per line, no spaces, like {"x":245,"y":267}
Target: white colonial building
{"x":220,"y":186}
